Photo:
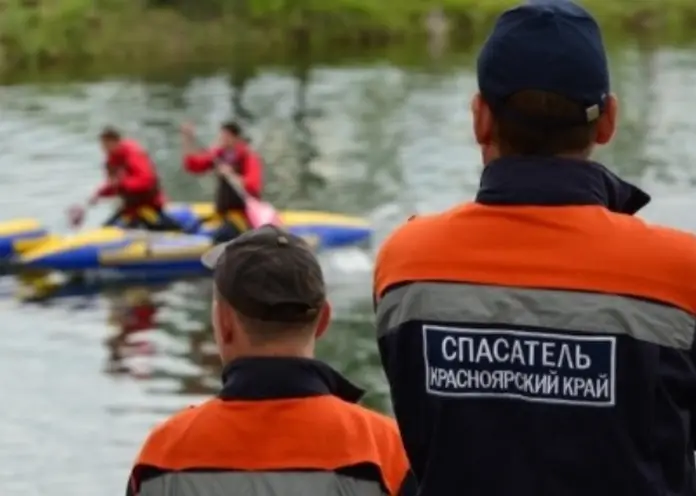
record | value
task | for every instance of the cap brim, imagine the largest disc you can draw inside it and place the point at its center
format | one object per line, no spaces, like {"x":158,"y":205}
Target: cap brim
{"x":211,"y":257}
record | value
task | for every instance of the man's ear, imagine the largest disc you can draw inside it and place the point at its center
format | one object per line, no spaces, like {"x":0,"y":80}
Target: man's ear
{"x":482,"y":120}
{"x":226,"y":322}
{"x":606,"y":124}
{"x":324,"y":320}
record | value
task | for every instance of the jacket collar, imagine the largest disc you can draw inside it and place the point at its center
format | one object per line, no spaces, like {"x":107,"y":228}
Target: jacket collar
{"x":267,"y":378}
{"x":553,"y":181}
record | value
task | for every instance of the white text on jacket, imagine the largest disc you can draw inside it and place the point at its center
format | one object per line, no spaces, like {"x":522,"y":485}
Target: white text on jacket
{"x":544,"y":367}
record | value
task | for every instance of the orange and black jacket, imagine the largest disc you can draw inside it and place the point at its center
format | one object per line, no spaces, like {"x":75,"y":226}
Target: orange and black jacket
{"x":137,"y":182}
{"x":540,"y":340}
{"x":280,"y":426}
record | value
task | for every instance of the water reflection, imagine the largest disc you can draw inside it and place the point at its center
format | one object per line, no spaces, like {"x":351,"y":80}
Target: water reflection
{"x":132,"y":312}
{"x":161,"y":336}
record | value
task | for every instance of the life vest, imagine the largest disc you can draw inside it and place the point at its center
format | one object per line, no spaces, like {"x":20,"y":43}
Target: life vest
{"x":120,"y":163}
{"x":149,"y":197}
{"x":227,"y":198}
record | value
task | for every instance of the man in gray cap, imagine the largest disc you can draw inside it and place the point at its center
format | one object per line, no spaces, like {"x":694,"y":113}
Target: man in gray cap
{"x":283,"y":423}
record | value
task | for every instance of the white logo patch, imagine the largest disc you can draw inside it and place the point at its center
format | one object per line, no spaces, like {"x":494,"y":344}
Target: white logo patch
{"x":529,"y":366}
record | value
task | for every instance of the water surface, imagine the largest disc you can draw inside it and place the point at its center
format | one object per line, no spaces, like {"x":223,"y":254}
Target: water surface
{"x":85,"y":377}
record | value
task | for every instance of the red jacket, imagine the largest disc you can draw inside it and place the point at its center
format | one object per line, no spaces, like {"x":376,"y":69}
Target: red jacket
{"x":136,"y":178}
{"x":243,"y":159}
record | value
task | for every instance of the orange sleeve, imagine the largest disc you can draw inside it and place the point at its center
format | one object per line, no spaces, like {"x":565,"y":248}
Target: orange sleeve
{"x":389,"y":262}
{"x":396,"y":467}
{"x":165,"y":437}
{"x":378,"y":276}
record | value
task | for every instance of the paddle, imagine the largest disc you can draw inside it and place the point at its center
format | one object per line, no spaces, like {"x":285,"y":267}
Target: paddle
{"x":258,"y":212}
{"x":77,"y":213}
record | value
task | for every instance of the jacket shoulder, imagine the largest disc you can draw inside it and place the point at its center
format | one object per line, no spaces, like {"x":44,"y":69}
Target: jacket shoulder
{"x":380,"y":421}
{"x":183,"y":416}
{"x":680,"y":244}
{"x":166,"y":435}
{"x":410,"y":230}
{"x":386,"y":440}
{"x":382,"y":429}
{"x":668,"y":234}
{"x":379,"y":426}
{"x":408,"y":243}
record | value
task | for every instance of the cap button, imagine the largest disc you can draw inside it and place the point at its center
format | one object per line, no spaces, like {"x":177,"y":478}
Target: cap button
{"x":283,"y":240}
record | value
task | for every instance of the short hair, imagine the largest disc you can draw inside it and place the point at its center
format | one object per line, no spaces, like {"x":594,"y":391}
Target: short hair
{"x":267,"y":331}
{"x":517,"y":129}
{"x":233,"y":128}
{"x":110,"y":133}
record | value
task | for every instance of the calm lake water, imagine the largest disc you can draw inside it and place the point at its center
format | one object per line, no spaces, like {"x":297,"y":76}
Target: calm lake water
{"x":85,"y":377}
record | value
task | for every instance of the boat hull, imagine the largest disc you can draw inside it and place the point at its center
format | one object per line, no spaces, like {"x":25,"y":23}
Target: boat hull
{"x":125,"y":250}
{"x":21,"y":235}
{"x":119,"y":250}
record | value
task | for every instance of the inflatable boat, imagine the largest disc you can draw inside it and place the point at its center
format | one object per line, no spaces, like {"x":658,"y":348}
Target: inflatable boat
{"x":29,"y":245}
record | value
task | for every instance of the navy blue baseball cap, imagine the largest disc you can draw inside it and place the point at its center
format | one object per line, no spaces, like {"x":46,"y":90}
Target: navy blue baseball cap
{"x":547,"y":45}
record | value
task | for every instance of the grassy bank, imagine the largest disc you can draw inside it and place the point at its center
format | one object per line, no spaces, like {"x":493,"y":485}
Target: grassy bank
{"x":40,"y":33}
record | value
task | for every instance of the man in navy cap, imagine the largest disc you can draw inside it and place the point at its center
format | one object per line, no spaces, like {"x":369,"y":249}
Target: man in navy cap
{"x":540,"y":339}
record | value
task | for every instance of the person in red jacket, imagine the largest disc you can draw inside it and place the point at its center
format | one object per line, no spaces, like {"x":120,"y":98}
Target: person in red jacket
{"x":235,"y":163}
{"x":132,"y":176}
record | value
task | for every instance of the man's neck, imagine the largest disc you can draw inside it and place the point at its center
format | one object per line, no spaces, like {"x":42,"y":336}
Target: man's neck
{"x":290,"y":350}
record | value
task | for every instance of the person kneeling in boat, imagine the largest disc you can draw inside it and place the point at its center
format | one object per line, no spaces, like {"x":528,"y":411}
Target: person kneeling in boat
{"x":132,"y":176}
{"x":239,"y":170}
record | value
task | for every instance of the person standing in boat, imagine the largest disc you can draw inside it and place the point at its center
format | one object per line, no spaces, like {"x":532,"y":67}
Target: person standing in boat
{"x":132,"y":176}
{"x":235,"y":163}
